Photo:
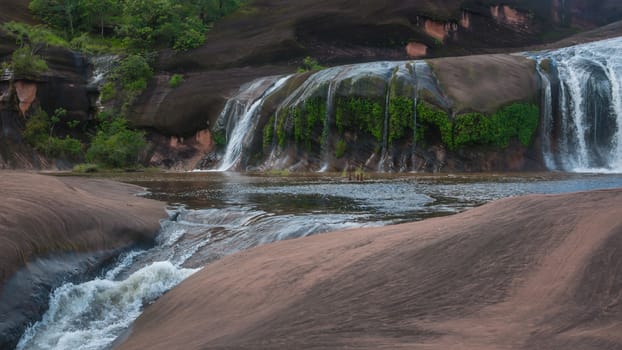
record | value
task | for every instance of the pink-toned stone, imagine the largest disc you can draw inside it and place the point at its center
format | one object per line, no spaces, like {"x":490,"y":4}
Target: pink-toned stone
{"x":416,"y":50}
{"x":465,"y":20}
{"x":27,"y":94}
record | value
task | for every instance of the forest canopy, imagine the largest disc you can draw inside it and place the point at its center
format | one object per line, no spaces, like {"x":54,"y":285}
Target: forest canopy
{"x":140,"y":24}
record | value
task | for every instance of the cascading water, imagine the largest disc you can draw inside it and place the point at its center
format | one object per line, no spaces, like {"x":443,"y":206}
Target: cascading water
{"x":583,"y":120}
{"x":243,"y":114}
{"x":335,"y":88}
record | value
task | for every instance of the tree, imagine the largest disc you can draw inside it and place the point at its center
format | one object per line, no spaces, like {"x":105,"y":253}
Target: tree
{"x":64,"y":14}
{"x":101,"y":13}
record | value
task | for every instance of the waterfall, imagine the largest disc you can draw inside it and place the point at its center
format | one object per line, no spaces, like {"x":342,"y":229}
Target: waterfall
{"x":384,"y":156}
{"x":330,"y":103}
{"x":587,"y":106}
{"x":245,"y":116}
{"x":414,"y":148}
{"x":546,"y":125}
{"x":335,"y":90}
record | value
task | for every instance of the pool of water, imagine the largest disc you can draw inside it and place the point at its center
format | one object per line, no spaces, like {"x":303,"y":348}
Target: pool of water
{"x":211,"y":215}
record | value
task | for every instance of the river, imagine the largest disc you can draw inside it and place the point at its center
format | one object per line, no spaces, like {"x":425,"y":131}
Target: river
{"x":211,"y":215}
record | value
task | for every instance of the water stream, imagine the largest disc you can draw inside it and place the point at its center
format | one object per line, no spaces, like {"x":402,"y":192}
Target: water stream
{"x":582,"y":107}
{"x":212,"y":215}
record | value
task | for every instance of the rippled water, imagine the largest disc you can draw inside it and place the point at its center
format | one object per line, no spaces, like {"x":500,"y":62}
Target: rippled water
{"x":212,"y":215}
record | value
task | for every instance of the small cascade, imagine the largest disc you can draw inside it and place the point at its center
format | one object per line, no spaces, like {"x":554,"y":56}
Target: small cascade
{"x":383,"y":165}
{"x":330,"y":104}
{"x":242,"y":115}
{"x":414,"y":147}
{"x":586,"y":111}
{"x":335,"y":117}
{"x":546,"y":124}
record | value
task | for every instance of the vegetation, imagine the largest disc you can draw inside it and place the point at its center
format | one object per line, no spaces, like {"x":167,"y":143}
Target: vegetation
{"x":429,"y":117}
{"x":360,"y":114}
{"x":39,"y":133}
{"x":340,"y":148}
{"x":26,"y":63}
{"x":139,"y":24}
{"x":310,"y":64}
{"x":400,"y":117}
{"x":114,"y":144}
{"x":517,"y":120}
{"x":175,"y":81}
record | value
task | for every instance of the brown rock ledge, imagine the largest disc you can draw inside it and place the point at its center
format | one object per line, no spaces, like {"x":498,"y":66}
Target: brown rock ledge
{"x":41,"y":215}
{"x":534,"y":272}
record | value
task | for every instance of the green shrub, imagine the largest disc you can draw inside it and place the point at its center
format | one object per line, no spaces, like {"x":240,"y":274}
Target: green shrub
{"x":175,"y":80}
{"x":39,"y":130}
{"x":24,"y":62}
{"x":134,"y":72}
{"x":309,"y":64}
{"x":115,"y":145}
{"x":108,"y":92}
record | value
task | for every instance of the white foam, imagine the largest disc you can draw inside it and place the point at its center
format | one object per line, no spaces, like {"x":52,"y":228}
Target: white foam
{"x":91,"y":315}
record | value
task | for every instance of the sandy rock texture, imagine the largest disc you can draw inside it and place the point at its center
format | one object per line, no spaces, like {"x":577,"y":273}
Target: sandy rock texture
{"x":57,"y":229}
{"x":534,"y":272}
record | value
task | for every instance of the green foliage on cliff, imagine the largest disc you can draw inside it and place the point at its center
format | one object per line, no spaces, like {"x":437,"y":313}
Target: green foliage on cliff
{"x":518,"y":120}
{"x":428,"y":116}
{"x":141,"y":24}
{"x":24,"y":62}
{"x":268,"y":134}
{"x":400,"y":117}
{"x":310,"y":64}
{"x":39,"y":133}
{"x":175,"y":81}
{"x":360,"y":114}
{"x":114,"y":144}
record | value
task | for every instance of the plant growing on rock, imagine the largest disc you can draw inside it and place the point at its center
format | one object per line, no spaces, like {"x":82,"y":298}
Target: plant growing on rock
{"x":114,"y":144}
{"x":39,"y":133}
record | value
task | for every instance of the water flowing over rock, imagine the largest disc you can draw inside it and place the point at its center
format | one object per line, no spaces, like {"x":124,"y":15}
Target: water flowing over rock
{"x":582,"y":106}
{"x":313,"y":120}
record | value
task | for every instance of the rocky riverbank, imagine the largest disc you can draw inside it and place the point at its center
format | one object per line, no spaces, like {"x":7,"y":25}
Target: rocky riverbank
{"x":60,"y":229}
{"x":531,"y":272}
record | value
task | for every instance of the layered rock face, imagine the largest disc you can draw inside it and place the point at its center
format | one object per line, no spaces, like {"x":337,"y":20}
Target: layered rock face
{"x":55,"y":230}
{"x":535,"y":272}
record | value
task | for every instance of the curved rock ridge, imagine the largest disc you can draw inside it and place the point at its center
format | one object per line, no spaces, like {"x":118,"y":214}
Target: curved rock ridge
{"x":534,"y":272}
{"x":57,"y":229}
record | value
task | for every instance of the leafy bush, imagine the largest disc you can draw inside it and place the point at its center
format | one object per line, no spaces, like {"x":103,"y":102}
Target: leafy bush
{"x":39,"y":130}
{"x":176,"y":80}
{"x":115,"y":144}
{"x":309,"y":64}
{"x":134,"y":72}
{"x":24,"y":62}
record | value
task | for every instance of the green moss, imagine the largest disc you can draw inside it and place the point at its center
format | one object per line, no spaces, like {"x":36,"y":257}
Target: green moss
{"x":175,"y":81}
{"x":268,"y":134}
{"x":518,"y":120}
{"x":428,"y":116}
{"x":340,"y":148}
{"x":400,"y":117}
{"x":360,"y":114}
{"x":219,"y":138}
